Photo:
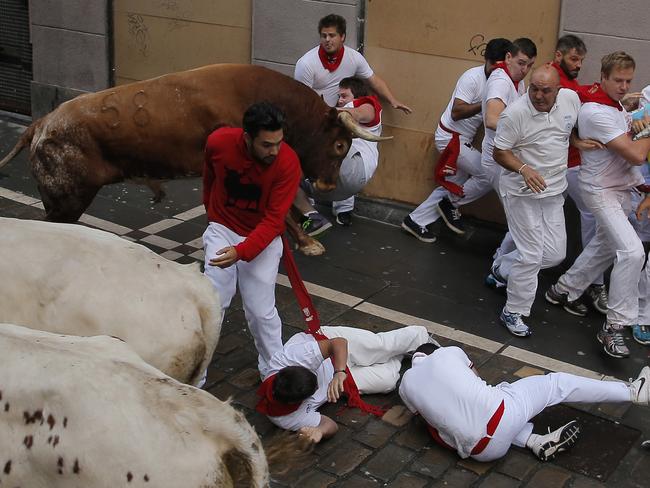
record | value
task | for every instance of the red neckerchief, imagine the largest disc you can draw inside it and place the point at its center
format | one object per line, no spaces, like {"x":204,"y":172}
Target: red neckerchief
{"x":335,"y":59}
{"x":596,"y":94}
{"x":267,"y":403}
{"x":504,"y":67}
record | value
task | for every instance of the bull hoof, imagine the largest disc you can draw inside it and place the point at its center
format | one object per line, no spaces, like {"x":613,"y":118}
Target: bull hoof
{"x":312,"y":248}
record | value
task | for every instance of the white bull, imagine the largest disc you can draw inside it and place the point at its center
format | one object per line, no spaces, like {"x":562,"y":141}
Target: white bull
{"x":87,"y":412}
{"x":70,"y":279}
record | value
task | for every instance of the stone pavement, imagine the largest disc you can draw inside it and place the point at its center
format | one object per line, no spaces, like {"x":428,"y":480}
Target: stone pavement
{"x":395,"y":450}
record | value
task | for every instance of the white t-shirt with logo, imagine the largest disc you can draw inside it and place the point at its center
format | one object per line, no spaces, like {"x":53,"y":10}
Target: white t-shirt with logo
{"x":602,"y":168}
{"x":303,"y":350}
{"x":444,"y":390}
{"x":309,"y":70}
{"x":538,"y":139}
{"x":498,"y":85}
{"x":469,"y":89}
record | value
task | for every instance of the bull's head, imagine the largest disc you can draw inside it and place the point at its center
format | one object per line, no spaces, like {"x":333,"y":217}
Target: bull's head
{"x":334,"y":140}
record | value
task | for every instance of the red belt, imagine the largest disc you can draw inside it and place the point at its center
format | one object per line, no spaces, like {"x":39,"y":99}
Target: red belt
{"x":480,"y":446}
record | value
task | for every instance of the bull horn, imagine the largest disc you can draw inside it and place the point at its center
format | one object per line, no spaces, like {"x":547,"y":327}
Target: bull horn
{"x":349,"y":123}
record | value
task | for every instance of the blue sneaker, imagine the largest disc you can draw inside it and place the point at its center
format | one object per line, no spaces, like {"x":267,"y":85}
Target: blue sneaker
{"x":514,"y":323}
{"x":641,"y":334}
{"x":495,"y":281}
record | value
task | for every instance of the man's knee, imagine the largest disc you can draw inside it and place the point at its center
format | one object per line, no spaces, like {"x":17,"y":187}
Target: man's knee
{"x":634,"y":254}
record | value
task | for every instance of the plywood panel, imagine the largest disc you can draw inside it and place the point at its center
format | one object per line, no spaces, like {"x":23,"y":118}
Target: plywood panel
{"x":150,"y":46}
{"x":458,"y":28}
{"x":422,"y":82}
{"x":234,"y":13}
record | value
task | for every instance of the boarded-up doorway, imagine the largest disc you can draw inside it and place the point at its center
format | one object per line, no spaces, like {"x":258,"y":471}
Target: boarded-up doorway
{"x":15,"y":56}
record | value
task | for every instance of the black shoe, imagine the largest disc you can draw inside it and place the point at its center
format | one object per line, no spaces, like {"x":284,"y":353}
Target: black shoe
{"x":451,"y":215}
{"x":422,"y":233}
{"x":344,"y":219}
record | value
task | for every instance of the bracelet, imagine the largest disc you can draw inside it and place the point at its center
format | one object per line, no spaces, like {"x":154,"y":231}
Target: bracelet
{"x":521,"y":168}
{"x":341,"y":371}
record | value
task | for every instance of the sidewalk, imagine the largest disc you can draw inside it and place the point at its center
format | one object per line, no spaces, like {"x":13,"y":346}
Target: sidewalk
{"x":375,"y":277}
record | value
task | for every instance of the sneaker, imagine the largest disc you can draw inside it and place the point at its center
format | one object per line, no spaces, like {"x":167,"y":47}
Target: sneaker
{"x":314,"y":224}
{"x":422,"y":233}
{"x":572,"y":306}
{"x":547,"y":446}
{"x":598,"y":297}
{"x":514,"y":323}
{"x":641,"y":334}
{"x":344,"y":219}
{"x":432,"y":340}
{"x":612,"y":341}
{"x":640,"y":388}
{"x":451,"y":215}
{"x":495,"y":281}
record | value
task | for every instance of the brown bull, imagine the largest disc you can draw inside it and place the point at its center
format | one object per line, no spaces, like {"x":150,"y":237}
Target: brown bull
{"x":156,"y":129}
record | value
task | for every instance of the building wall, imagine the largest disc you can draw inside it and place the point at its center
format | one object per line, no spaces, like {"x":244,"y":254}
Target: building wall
{"x":606,"y":27}
{"x":70,"y":50}
{"x":154,"y":37}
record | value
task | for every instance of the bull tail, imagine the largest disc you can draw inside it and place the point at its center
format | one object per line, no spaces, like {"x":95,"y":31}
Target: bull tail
{"x":25,"y":140}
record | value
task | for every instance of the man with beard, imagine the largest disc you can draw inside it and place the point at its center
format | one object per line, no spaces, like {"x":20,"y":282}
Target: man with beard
{"x":250,"y":178}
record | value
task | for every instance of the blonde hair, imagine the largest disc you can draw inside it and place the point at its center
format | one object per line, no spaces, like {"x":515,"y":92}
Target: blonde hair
{"x":616,"y":60}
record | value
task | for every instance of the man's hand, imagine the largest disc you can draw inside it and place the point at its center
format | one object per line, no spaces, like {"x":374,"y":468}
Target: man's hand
{"x":397,"y":105}
{"x":643,"y":207}
{"x":311,"y":433}
{"x":225,"y":257}
{"x":533,"y":179}
{"x":335,"y":387}
{"x":630,"y":101}
{"x":639,"y":125}
{"x":587,"y":144}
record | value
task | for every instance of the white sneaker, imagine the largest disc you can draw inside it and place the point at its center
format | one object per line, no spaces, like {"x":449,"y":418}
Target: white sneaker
{"x":547,"y":446}
{"x":640,"y":388}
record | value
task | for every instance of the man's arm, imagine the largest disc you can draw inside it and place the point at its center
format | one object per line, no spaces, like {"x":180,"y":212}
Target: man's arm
{"x":583,"y":144}
{"x":337,"y":347}
{"x":460,"y":109}
{"x":380,"y":87}
{"x":493,"y":109}
{"x":362,"y":114}
{"x":324,"y":430}
{"x":506,"y":159}
{"x":634,"y":152}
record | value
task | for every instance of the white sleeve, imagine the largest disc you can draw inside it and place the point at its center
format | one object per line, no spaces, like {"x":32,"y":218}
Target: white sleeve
{"x":363,"y":69}
{"x":507,"y":135}
{"x":298,"y":419}
{"x":459,"y":353}
{"x":466,"y":88}
{"x":497,"y":88}
{"x":304,"y":72}
{"x":600,"y":125}
{"x":305,"y":353}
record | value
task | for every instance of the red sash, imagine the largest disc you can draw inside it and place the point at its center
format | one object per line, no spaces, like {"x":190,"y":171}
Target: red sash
{"x":330,"y":63}
{"x":448,"y":163}
{"x":596,"y":94}
{"x":267,"y":403}
{"x":480,"y":446}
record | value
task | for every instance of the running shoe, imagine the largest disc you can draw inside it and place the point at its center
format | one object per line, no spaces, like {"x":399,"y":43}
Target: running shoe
{"x":314,"y":224}
{"x":421,"y":233}
{"x":514,"y":323}
{"x":640,"y":388}
{"x":574,"y":307}
{"x":597,"y":295}
{"x":547,"y":446}
{"x":612,"y":341}
{"x":641,"y":334}
{"x":451,"y":216}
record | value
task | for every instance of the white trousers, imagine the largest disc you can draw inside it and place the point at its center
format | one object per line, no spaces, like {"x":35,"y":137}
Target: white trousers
{"x":587,"y":219}
{"x":644,"y":297}
{"x":375,"y":359}
{"x":256,"y":280}
{"x":470,"y":175}
{"x":615,"y":241}
{"x":538,"y":230}
{"x":527,"y":397}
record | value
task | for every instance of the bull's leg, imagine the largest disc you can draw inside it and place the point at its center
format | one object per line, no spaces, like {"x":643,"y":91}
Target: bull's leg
{"x":66,"y":208}
{"x":306,"y":244}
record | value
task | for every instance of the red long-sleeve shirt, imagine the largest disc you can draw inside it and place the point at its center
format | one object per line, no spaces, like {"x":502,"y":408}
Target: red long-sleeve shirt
{"x":246,"y":196}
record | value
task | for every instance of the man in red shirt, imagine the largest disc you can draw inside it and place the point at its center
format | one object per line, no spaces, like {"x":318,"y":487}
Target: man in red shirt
{"x":250,"y":178}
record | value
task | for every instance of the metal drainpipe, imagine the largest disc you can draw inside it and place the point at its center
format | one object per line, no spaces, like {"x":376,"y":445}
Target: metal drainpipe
{"x":361,"y":25}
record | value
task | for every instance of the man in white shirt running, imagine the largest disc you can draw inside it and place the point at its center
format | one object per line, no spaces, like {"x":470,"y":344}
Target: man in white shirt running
{"x":481,"y":421}
{"x":453,"y":139}
{"x":323,"y":67}
{"x":504,"y":86}
{"x":607,"y":179}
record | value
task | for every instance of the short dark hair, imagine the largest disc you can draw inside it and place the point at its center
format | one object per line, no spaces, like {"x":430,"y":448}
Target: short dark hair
{"x":427,"y":348}
{"x":523,"y":45}
{"x":333,"y":20}
{"x":496,"y":49}
{"x":568,"y":42}
{"x":294,"y":384}
{"x":262,"y":116}
{"x":357,"y":86}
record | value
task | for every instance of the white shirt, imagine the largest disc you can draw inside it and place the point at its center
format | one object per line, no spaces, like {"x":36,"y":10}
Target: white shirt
{"x":538,"y":139}
{"x":303,"y":350}
{"x":498,"y":85}
{"x":309,"y":70}
{"x":368,"y":150}
{"x":444,"y":390}
{"x":602,"y":168}
{"x":469,"y":89}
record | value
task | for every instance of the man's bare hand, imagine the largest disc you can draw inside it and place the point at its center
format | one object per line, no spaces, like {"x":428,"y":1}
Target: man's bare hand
{"x":587,"y":144}
{"x":311,"y":433}
{"x":643,"y":207}
{"x":533,"y":179}
{"x":335,"y":387}
{"x":225,"y":257}
{"x":630,"y":101}
{"x":400,"y":106}
{"x":639,"y":125}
